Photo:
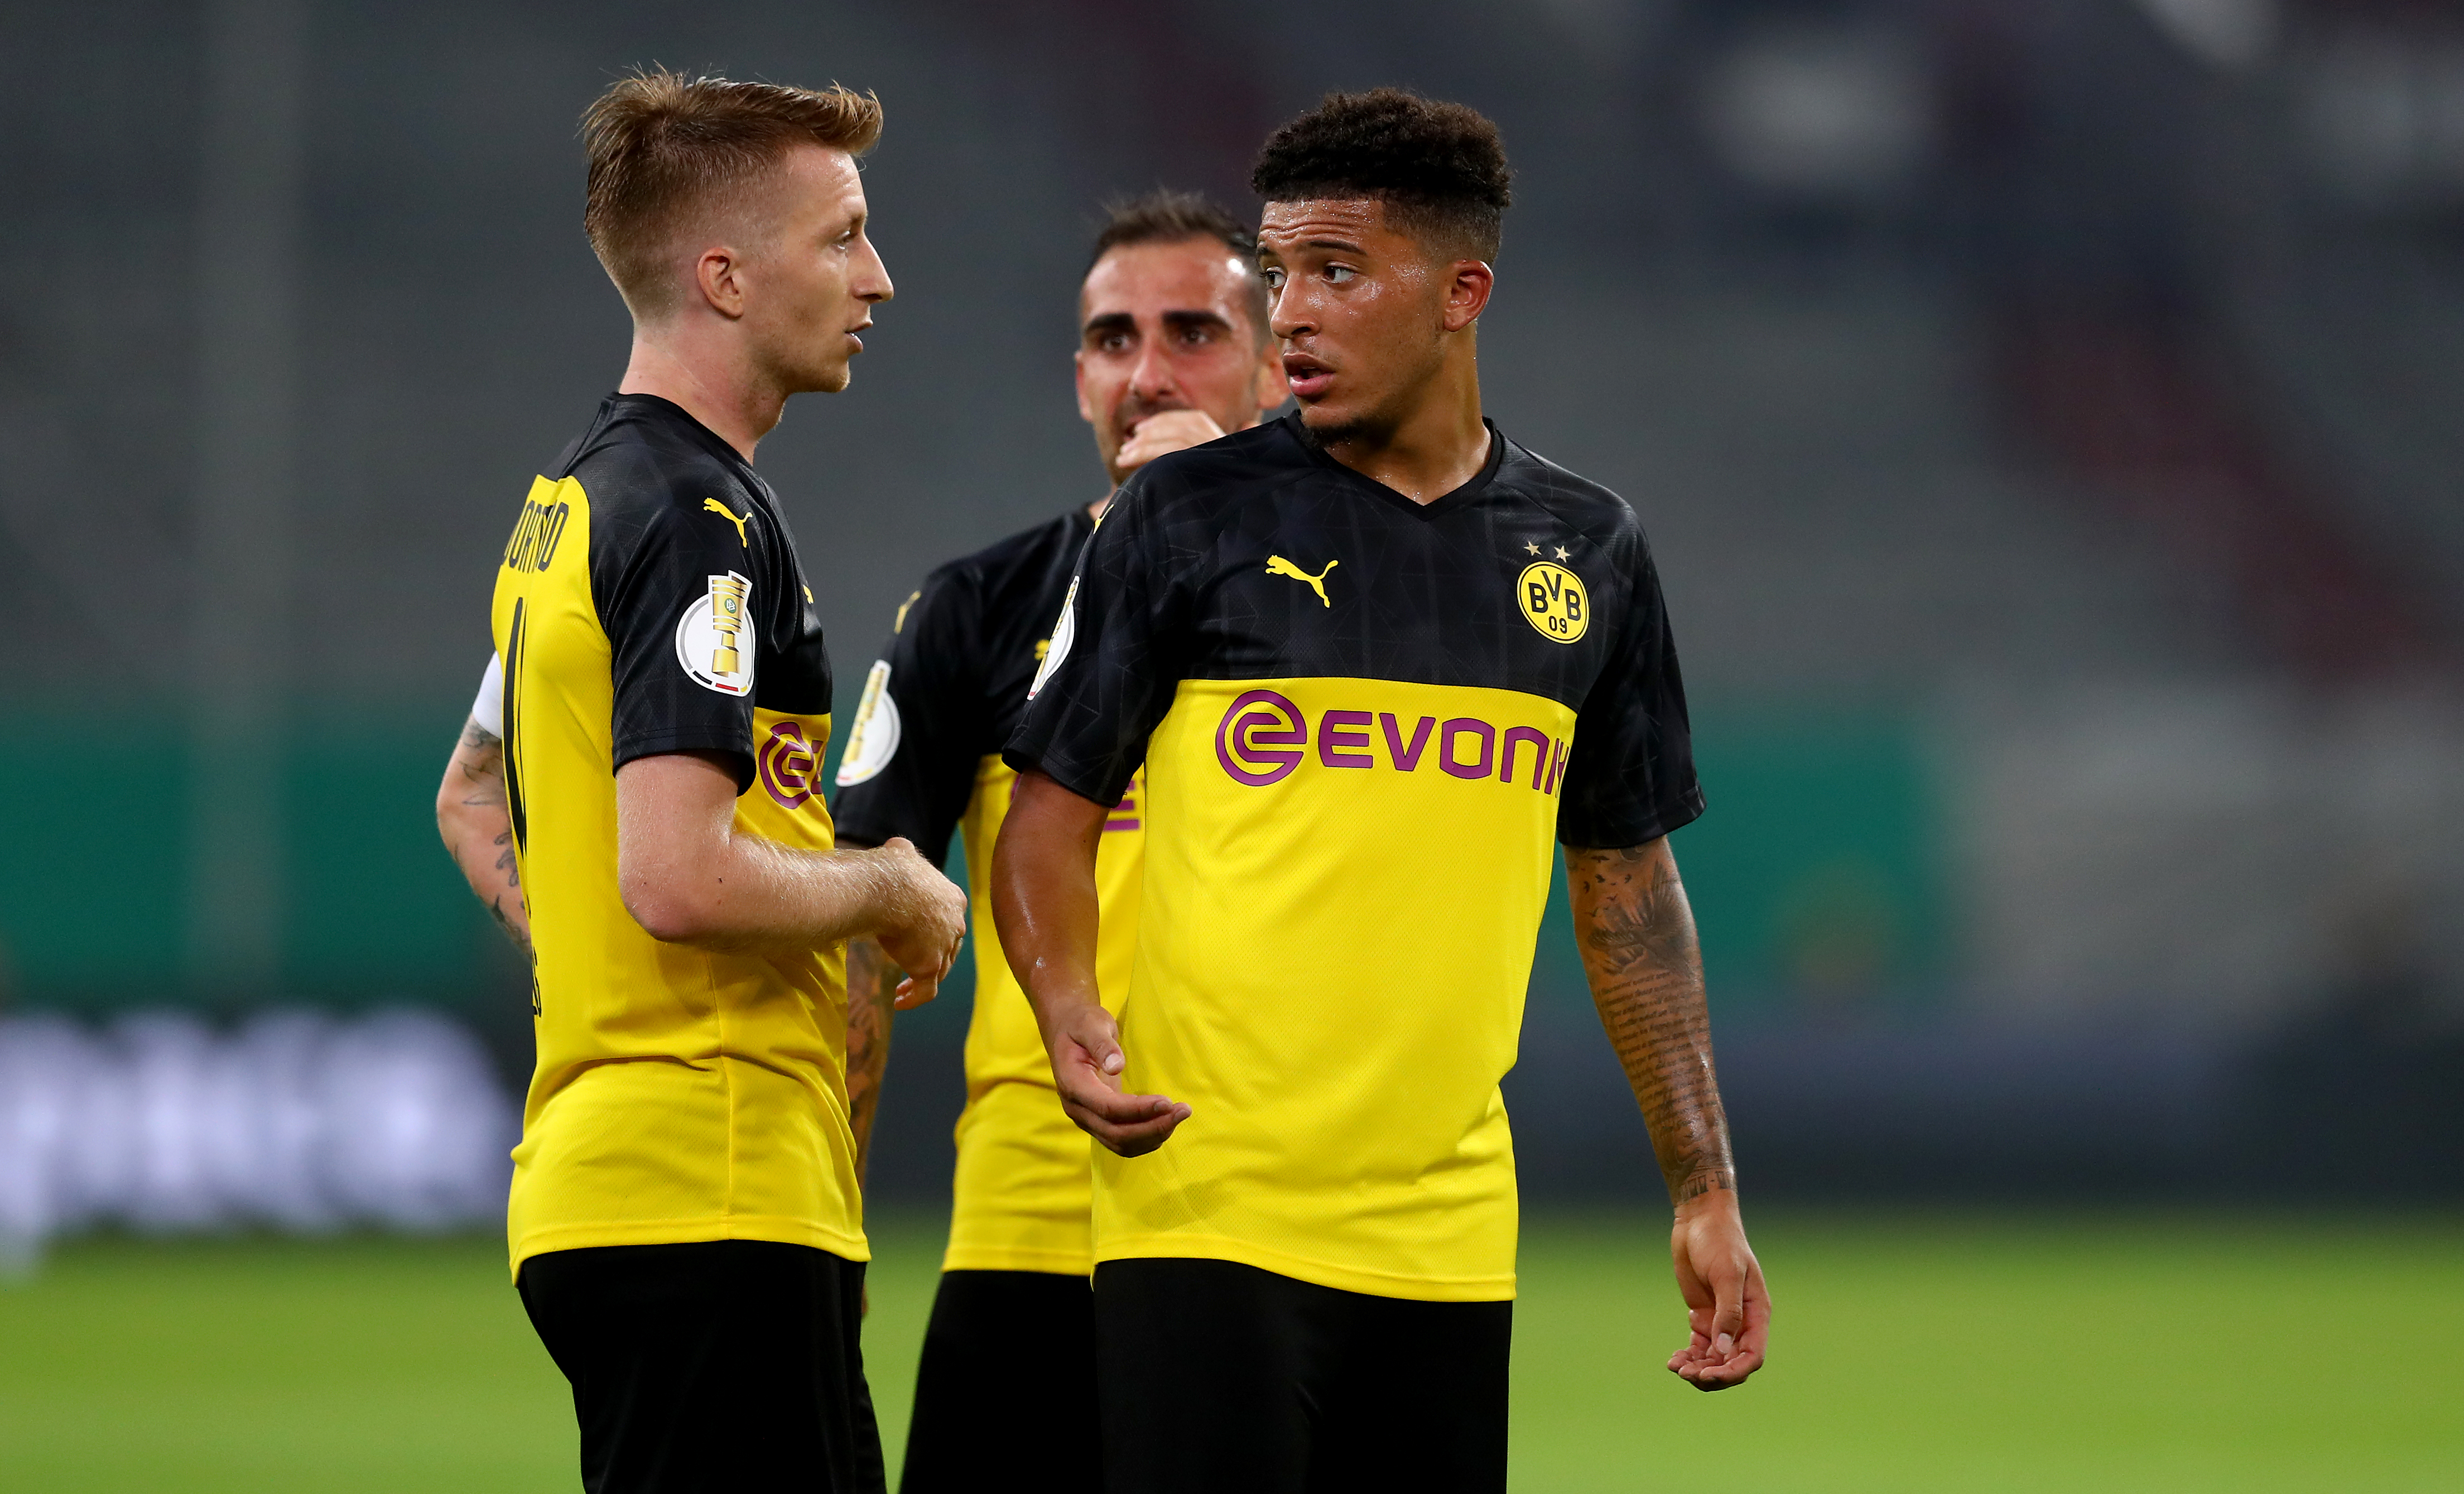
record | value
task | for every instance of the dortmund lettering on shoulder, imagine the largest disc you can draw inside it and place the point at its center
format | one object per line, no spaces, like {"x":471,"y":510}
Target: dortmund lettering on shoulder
{"x":1263,"y":738}
{"x":537,"y":531}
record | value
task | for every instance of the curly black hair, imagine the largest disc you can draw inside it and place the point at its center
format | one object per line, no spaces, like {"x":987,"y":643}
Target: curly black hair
{"x":1440,"y":167}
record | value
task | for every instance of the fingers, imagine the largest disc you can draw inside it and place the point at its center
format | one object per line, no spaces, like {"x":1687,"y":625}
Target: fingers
{"x":1728,"y":1314}
{"x":1136,"y":1124}
{"x":1103,"y":1055}
{"x":1728,"y":1344}
{"x":1728,"y":1305}
{"x":1164,"y":432}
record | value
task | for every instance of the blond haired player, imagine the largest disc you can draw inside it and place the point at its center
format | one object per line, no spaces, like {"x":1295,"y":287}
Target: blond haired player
{"x":686,"y":1226}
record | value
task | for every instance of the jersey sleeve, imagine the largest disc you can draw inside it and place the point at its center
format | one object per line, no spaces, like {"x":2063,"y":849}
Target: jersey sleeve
{"x":488,"y":706}
{"x":676,"y":596}
{"x":1109,"y":676}
{"x":1630,"y":777}
{"x":922,"y":726}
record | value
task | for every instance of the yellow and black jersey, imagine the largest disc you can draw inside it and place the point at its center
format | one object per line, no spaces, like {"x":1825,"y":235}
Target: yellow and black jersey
{"x":1362,"y":721}
{"x":923,"y":757}
{"x":651,"y":602}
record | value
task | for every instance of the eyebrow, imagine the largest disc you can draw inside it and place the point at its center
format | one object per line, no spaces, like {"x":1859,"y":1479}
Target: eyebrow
{"x":1123,"y":321}
{"x":1340,"y":246}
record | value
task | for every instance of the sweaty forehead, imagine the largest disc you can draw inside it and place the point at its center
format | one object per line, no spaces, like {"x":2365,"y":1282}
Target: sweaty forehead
{"x":1150,"y":279}
{"x":1287,"y":225}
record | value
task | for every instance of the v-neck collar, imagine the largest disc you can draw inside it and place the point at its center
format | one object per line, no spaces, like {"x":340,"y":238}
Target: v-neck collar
{"x":1460,"y":497}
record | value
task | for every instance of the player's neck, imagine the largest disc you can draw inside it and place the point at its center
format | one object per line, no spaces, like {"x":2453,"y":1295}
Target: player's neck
{"x":1437,"y":448}
{"x":718,"y":390}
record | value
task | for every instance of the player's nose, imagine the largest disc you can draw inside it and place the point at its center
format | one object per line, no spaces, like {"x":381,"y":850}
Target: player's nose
{"x":1151,"y":378}
{"x":872,"y":276}
{"x":1290,"y":314}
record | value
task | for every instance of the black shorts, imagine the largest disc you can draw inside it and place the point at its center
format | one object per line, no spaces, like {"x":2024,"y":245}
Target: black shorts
{"x":1007,"y":1382}
{"x":1221,"y":1378}
{"x":724,"y":1365}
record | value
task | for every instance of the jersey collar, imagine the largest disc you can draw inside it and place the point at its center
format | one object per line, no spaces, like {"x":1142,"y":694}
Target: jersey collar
{"x":1460,"y":497}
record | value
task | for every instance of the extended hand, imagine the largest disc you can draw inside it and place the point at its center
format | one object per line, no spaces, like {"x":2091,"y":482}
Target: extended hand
{"x":1085,"y":1050}
{"x":1164,"y":432}
{"x":1726,"y":1304}
{"x":928,"y":918}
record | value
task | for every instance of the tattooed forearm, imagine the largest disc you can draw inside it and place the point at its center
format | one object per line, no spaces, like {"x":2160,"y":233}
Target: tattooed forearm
{"x":871,"y":983}
{"x":481,"y":756}
{"x":471,"y":816}
{"x":1636,"y":936}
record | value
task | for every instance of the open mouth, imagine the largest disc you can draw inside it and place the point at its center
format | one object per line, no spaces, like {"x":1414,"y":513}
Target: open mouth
{"x":1309,"y":377}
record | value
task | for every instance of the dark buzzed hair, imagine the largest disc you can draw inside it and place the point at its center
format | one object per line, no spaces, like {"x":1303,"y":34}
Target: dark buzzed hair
{"x":664,"y":147}
{"x":1439,"y":168}
{"x":1169,"y":217}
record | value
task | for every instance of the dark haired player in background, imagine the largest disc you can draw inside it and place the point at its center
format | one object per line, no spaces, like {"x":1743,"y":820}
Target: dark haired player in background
{"x":1372,"y":657}
{"x":1173,"y":351}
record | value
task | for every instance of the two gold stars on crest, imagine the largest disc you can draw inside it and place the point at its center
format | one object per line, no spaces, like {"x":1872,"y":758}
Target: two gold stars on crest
{"x":1529,"y":548}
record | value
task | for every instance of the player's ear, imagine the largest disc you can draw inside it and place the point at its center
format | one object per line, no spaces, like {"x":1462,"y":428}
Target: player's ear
{"x":718,"y":275}
{"x":1467,"y":294}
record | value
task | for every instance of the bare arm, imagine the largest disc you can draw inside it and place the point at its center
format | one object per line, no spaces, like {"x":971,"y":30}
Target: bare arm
{"x":1045,"y":907}
{"x":1636,"y":935}
{"x":869,"y":1004}
{"x":471,"y":815}
{"x":687,"y":877}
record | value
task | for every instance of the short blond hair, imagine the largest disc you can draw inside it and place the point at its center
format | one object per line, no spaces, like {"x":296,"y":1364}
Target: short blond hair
{"x":664,"y":148}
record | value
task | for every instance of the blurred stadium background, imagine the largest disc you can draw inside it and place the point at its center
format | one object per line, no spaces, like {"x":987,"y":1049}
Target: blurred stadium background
{"x":2047,"y":414}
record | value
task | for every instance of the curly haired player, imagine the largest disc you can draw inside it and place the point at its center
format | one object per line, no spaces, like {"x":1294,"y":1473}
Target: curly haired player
{"x":1372,"y":659}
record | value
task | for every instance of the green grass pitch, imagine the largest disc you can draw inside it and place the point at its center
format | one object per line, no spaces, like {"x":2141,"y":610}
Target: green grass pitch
{"x":1950,"y":1351}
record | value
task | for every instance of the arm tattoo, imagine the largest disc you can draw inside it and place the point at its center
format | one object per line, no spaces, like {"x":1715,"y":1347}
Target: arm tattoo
{"x":1636,"y":936}
{"x":513,"y":930}
{"x":870,"y":990}
{"x":482,"y":757}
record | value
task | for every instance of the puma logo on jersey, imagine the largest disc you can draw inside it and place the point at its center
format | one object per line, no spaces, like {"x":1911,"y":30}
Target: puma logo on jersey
{"x":1277,"y":565}
{"x":713,"y":506}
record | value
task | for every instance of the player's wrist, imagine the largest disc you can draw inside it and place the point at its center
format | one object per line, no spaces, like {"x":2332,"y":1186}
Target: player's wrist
{"x":1061,"y":1006}
{"x":1711,"y":1191}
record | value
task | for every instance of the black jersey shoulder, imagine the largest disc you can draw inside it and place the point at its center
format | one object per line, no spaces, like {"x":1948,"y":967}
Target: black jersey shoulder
{"x":951,"y":683}
{"x":1202,"y":483}
{"x":1597,"y":512}
{"x":1016,"y":582}
{"x":643,"y":456}
{"x":670,"y":505}
{"x":1278,"y":561}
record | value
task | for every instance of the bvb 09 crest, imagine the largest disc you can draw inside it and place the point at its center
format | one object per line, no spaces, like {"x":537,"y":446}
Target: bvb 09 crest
{"x":1554,"y":602}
